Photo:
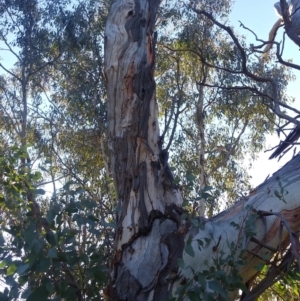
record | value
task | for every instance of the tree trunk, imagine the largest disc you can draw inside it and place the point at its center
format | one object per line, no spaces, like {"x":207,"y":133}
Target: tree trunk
{"x":150,"y":234}
{"x":147,"y":239}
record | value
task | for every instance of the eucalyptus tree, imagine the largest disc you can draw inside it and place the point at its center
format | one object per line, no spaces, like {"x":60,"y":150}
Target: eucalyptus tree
{"x":216,"y":100}
{"x":159,"y":251}
{"x":52,"y":119}
{"x":215,"y":125}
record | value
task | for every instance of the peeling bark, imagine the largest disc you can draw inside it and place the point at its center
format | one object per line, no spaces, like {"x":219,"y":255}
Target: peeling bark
{"x":150,"y":234}
{"x":148,"y":204}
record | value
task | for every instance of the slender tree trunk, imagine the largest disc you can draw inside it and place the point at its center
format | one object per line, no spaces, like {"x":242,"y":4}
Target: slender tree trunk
{"x":202,"y":142}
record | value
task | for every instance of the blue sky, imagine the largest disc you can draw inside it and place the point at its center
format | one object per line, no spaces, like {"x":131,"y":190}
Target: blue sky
{"x":259,"y":15}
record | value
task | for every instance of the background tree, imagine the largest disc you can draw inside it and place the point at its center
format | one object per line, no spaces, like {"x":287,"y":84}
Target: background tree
{"x":218,"y":126}
{"x":53,"y":118}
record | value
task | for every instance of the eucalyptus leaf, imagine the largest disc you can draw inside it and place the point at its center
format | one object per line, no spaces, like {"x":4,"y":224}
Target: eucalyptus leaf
{"x":39,"y":294}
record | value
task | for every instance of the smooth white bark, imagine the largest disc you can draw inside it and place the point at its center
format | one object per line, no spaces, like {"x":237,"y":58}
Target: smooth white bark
{"x":278,"y":196}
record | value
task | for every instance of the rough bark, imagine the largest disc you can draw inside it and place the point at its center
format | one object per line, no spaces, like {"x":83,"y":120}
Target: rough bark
{"x":150,"y":234}
{"x":148,"y":216}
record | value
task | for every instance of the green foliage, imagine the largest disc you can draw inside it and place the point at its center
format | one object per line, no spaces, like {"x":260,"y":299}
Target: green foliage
{"x":215,"y":283}
{"x":220,"y":280}
{"x":286,"y":288}
{"x":62,"y":250}
{"x":212,"y":119}
{"x":282,"y":192}
{"x":56,"y":200}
